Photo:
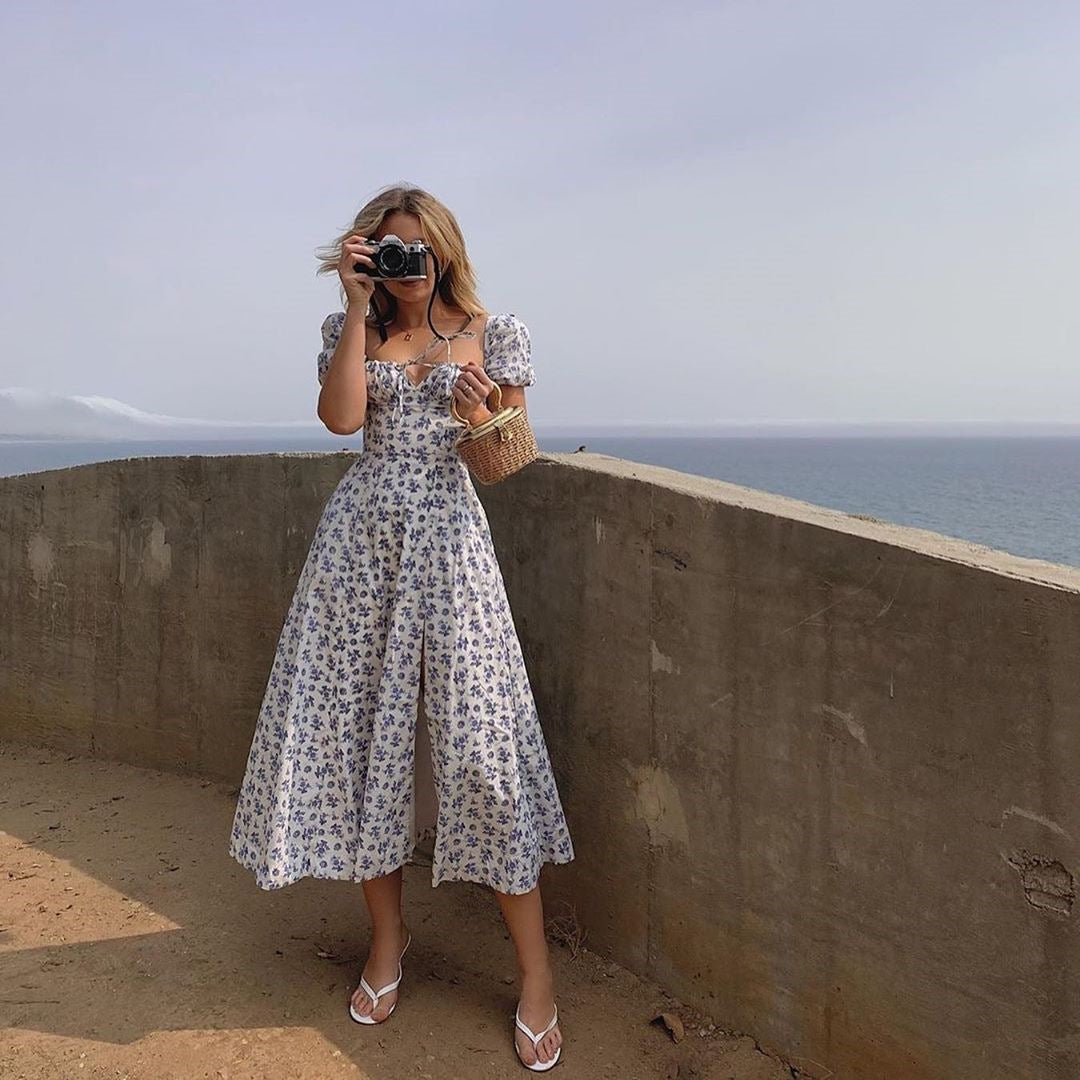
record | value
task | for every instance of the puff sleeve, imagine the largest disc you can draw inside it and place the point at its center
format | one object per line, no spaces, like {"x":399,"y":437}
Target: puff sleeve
{"x":331,"y":335}
{"x":508,"y":352}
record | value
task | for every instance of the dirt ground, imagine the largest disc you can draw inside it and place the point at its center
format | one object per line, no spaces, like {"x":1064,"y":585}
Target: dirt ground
{"x":132,"y":945}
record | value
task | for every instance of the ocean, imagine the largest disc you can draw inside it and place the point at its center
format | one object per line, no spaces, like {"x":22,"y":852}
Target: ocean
{"x":1020,"y":494}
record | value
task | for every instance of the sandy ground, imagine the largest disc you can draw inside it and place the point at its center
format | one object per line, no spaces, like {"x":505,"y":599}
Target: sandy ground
{"x":131,"y":945}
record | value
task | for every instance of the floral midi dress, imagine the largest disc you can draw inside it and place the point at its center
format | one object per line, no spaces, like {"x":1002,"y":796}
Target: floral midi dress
{"x":402,"y":570}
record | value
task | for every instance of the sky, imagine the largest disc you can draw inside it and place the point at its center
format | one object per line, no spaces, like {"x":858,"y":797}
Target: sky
{"x":846,"y":210}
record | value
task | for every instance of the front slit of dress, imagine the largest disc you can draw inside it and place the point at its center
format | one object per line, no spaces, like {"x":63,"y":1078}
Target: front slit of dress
{"x":425,"y":791}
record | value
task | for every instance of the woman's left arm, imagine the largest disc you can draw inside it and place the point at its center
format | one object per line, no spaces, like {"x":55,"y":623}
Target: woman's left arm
{"x":510,"y":395}
{"x":508,"y":365}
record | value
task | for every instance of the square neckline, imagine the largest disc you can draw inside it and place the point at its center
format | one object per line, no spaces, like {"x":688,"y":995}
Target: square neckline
{"x":483,"y":334}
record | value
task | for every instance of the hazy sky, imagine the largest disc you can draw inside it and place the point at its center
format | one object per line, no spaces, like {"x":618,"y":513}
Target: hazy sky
{"x":849,"y":210}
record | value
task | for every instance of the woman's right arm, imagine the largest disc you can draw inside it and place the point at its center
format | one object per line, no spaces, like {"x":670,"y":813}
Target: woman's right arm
{"x":343,"y":398}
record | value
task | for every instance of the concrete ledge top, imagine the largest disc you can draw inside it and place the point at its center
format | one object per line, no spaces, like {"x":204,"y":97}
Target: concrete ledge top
{"x":923,"y":541}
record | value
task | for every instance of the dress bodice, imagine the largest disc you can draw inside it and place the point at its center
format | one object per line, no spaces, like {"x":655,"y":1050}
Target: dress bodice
{"x":414,"y":419}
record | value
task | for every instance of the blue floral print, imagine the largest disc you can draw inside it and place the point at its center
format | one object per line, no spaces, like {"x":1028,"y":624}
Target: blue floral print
{"x":402,"y":571}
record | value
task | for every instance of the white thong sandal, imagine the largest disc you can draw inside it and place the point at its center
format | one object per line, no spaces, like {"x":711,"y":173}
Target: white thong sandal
{"x":538,"y":1065}
{"x":376,"y":994}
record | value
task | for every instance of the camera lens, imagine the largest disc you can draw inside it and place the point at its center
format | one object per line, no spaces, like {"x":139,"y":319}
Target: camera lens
{"x":392,"y":261}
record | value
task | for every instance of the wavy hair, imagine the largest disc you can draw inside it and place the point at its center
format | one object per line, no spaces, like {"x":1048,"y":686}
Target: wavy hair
{"x":440,"y":230}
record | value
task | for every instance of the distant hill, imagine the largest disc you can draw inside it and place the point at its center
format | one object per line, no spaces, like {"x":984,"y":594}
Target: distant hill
{"x":35,"y":414}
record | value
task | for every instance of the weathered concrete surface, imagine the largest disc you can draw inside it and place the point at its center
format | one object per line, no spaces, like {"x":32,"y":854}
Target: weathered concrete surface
{"x":821,"y":772}
{"x":144,"y":598}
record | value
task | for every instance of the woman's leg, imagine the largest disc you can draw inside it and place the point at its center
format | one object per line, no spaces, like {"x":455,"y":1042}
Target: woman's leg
{"x":388,"y":936}
{"x":524,"y":915}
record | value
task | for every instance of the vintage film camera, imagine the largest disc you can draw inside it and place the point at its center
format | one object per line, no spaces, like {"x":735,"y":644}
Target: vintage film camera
{"x":393,"y":258}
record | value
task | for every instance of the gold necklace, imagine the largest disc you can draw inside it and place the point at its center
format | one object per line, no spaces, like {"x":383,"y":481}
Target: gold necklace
{"x":407,"y":336}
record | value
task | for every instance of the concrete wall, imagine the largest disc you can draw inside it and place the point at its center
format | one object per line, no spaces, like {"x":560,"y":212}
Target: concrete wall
{"x":822,"y":773}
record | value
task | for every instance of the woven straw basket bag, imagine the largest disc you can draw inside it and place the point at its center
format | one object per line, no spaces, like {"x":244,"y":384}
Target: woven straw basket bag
{"x":500,"y":446}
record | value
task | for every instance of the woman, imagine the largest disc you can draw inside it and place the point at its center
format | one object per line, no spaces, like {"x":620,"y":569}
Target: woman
{"x":401,"y":598}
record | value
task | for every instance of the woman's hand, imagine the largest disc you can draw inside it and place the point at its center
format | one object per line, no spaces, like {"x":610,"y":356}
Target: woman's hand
{"x":358,"y":285}
{"x":471,"y":389}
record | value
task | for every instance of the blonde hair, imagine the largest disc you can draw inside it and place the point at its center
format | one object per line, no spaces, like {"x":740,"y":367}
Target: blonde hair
{"x":440,"y":230}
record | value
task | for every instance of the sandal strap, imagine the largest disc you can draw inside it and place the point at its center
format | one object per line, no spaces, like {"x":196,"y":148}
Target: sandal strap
{"x":370,"y":993}
{"x":376,"y":994}
{"x":524,"y":1027}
